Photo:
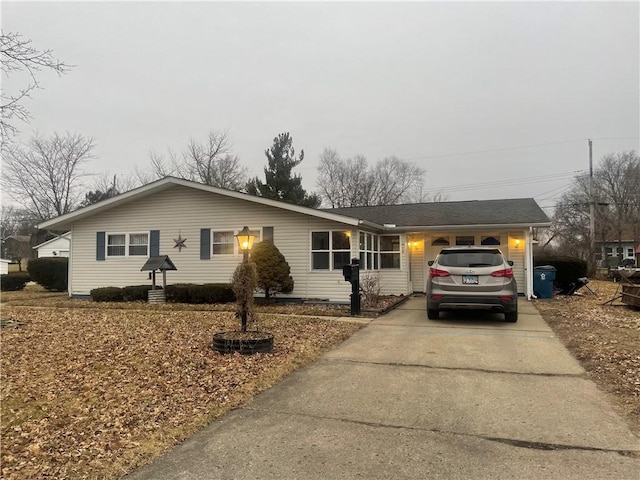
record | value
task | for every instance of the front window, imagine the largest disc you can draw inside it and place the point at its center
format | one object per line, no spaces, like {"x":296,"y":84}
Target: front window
{"x":390,"y":251}
{"x":369,"y":249}
{"x":440,"y":241}
{"x":341,"y":249}
{"x":127,"y":244}
{"x":138,"y":244}
{"x":330,"y":250}
{"x":223,"y":243}
{"x":116,"y":245}
{"x":490,"y":240}
{"x":465,"y":240}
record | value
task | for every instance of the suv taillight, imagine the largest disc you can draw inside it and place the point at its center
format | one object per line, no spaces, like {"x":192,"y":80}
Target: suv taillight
{"x":507,"y":272}
{"x":435,"y":272}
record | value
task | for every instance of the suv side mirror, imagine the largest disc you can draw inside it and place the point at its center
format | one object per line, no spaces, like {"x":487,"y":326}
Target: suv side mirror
{"x":510,"y":262}
{"x":430,"y":262}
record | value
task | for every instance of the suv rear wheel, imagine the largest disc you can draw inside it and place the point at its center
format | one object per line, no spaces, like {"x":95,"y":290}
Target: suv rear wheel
{"x":511,"y":317}
{"x":433,"y":314}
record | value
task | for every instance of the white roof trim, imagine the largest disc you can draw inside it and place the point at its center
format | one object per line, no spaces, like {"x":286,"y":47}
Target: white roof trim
{"x":496,"y":226}
{"x":167,"y":182}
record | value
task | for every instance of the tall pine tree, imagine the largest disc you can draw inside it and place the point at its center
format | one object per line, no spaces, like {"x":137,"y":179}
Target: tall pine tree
{"x":280,"y":183}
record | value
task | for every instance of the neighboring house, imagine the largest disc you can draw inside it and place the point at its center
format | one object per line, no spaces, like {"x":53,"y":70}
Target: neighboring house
{"x":195,"y":225}
{"x":4,"y":266}
{"x":17,"y":248}
{"x":56,"y":247}
{"x":625,"y":249}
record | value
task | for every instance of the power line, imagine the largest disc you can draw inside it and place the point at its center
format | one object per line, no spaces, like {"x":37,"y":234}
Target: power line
{"x":494,"y":150}
{"x":506,"y":183}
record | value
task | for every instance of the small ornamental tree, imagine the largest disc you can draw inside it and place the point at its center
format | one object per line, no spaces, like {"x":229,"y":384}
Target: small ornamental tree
{"x":272,"y":269}
{"x":244,"y":283}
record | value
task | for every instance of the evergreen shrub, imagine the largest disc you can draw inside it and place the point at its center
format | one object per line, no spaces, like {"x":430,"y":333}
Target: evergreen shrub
{"x":107,"y":294}
{"x":50,"y":272}
{"x":272,"y":269}
{"x":194,"y":293}
{"x":13,"y":281}
{"x":136,"y":293}
{"x":568,"y":269}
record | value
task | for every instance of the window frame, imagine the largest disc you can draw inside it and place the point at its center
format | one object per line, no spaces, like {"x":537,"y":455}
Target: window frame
{"x":398,"y":252}
{"x":127,"y":244}
{"x":330,"y":251}
{"x":370,"y":254}
{"x":233,"y":243}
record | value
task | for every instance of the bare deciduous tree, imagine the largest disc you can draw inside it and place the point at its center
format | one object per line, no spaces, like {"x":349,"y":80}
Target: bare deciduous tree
{"x":616,"y":199}
{"x":18,"y":55}
{"x":351,"y":182}
{"x":211,"y":163}
{"x":15,"y":221}
{"x":44,"y":176}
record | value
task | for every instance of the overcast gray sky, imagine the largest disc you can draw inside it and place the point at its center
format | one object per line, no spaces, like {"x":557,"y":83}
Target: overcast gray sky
{"x":452,"y":85}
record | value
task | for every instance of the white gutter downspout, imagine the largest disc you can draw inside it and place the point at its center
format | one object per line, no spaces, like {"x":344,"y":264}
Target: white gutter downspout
{"x":528,"y":263}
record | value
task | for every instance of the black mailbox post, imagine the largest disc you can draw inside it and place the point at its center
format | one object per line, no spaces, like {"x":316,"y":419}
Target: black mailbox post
{"x":351,"y":274}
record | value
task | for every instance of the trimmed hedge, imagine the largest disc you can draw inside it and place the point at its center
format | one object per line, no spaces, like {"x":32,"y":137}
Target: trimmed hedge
{"x":568,"y":269}
{"x":50,"y":272}
{"x":192,"y":293}
{"x":136,"y":293}
{"x":13,"y":281}
{"x":107,"y":294}
{"x":179,"y":293}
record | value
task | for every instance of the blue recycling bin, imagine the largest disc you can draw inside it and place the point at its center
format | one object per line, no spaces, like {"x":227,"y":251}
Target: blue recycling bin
{"x":543,"y":278}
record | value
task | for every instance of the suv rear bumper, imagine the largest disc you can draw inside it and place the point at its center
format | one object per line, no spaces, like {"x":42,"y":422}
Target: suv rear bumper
{"x":472,"y":302}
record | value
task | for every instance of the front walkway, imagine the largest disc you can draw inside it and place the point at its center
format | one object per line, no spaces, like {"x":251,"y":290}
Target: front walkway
{"x":465,"y":397}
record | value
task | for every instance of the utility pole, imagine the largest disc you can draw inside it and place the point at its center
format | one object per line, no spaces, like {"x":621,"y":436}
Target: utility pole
{"x":592,"y":211}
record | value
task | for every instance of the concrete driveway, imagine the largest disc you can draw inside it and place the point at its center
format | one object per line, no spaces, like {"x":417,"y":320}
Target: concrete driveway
{"x":465,"y":397}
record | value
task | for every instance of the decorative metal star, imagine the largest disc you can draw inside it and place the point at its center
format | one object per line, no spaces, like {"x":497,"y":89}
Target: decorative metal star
{"x":179,"y":243}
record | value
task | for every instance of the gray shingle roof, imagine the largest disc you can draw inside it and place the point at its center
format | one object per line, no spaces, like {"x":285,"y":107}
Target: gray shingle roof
{"x":477,"y":212}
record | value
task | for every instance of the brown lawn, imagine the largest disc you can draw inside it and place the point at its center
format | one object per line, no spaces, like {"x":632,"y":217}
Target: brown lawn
{"x":605,"y":339}
{"x":92,"y":390}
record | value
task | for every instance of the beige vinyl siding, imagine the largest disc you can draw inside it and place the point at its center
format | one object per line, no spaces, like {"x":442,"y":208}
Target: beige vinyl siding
{"x":184,"y":211}
{"x":395,"y":281}
{"x":418,"y":264}
{"x":517,"y":256}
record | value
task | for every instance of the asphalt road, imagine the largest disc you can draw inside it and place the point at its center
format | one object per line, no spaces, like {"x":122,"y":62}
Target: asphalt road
{"x":465,"y":397}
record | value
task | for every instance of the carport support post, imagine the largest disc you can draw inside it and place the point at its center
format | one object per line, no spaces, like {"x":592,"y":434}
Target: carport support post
{"x":355,"y":286}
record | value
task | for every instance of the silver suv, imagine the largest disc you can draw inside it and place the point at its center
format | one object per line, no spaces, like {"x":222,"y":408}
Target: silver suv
{"x":472,"y":278}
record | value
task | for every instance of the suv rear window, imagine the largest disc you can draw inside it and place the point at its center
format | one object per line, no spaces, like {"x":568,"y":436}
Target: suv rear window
{"x":470,"y":258}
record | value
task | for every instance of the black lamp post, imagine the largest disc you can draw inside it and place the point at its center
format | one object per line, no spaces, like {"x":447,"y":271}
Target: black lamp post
{"x":245,"y":241}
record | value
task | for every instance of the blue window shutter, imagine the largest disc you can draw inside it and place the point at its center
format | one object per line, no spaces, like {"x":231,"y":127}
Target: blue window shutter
{"x":205,"y":244}
{"x":154,"y":243}
{"x":267,"y":233}
{"x":100,"y":245}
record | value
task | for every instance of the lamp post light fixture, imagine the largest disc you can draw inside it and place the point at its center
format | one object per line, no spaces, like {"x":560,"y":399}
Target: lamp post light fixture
{"x":245,"y":242}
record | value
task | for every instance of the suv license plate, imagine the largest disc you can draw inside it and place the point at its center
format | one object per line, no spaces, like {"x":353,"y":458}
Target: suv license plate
{"x":470,"y":279}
